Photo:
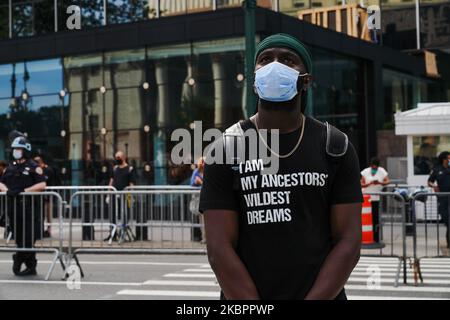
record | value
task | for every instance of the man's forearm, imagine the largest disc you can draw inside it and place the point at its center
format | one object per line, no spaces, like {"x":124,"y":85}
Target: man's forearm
{"x":335,"y":271}
{"x":233,"y":276}
{"x":37,"y":187}
{"x":3,"y":188}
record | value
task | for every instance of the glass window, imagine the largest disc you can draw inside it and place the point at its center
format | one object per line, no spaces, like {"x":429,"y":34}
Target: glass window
{"x":6,"y":71}
{"x":337,"y":88}
{"x":125,"y":68}
{"x":39,"y":77}
{"x":22,"y":18}
{"x":123,"y":11}
{"x":4,"y":19}
{"x":4,"y":106}
{"x":403,"y":92}
{"x":30,"y":17}
{"x":43,"y":16}
{"x":426,"y":150}
{"x":83,"y":72}
{"x":435,"y":23}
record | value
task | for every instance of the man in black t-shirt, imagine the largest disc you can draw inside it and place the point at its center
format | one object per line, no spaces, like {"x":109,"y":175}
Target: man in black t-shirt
{"x":296,"y":233}
{"x":124,"y":176}
{"x":439,"y":180}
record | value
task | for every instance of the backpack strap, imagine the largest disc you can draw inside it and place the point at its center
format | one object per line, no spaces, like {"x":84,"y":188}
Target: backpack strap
{"x":234,"y":142}
{"x":337,"y":142}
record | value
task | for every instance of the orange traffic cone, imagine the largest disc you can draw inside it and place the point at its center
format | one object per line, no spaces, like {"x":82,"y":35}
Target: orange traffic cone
{"x":366,"y":219}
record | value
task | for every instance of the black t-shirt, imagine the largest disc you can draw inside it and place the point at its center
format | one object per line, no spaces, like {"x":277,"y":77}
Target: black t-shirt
{"x":284,"y":219}
{"x":49,"y":174}
{"x":441,"y":175}
{"x":123,"y":177}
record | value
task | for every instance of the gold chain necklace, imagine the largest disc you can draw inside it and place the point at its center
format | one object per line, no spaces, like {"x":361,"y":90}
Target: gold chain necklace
{"x":282,"y":156}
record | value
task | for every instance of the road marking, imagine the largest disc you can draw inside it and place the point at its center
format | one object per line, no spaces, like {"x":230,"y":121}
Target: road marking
{"x":198,"y":270}
{"x":424,"y":270}
{"x":392,"y":280}
{"x":144,"y":263}
{"x":352,"y":297}
{"x":170,"y":293}
{"x":393,"y":274}
{"x":189,"y":275}
{"x":90,"y":283}
{"x":180,"y":283}
{"x":398,"y":289}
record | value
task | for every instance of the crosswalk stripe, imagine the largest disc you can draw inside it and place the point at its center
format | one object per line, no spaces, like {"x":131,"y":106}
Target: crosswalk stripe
{"x":398,"y":289}
{"x":354,"y":297}
{"x":170,"y":293}
{"x":181,"y":283}
{"x":409,"y":273}
{"x":363,"y":269}
{"x":436,"y":273}
{"x":392,"y":280}
{"x":189,"y":275}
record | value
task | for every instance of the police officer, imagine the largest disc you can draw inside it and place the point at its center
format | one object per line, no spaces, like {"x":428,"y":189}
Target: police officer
{"x":23,"y":175}
{"x":439,"y":180}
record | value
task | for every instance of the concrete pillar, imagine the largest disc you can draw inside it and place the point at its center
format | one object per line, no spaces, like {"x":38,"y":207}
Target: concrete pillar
{"x":162,"y":80}
{"x":219,"y":91}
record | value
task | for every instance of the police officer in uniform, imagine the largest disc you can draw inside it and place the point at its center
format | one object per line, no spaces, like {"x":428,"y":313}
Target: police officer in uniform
{"x":439,"y":180}
{"x":23,"y":175}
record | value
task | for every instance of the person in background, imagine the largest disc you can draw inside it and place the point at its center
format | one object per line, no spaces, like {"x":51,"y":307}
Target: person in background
{"x":23,"y":175}
{"x":197,"y":181}
{"x":373,"y":179}
{"x":439,"y":180}
{"x":124,"y":176}
{"x":3,"y":166}
{"x":49,"y":175}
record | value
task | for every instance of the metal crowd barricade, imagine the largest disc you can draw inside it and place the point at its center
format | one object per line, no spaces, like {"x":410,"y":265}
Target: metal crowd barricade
{"x":430,"y":212}
{"x":147,"y":221}
{"x":392,"y":232}
{"x":66,"y":193}
{"x":162,"y":187}
{"x":22,"y":219}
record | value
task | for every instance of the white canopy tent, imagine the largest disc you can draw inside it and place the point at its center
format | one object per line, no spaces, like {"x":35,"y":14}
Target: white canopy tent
{"x":428,"y":121}
{"x":428,"y":133}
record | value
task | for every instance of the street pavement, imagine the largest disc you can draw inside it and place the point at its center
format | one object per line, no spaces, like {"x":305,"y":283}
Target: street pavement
{"x":180,"y":277}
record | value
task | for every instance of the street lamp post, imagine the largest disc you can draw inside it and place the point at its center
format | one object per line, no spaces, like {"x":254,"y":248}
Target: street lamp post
{"x":250,"y":33}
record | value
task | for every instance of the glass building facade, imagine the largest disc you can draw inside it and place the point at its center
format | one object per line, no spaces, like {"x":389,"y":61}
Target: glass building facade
{"x":90,"y":106}
{"x":78,"y":110}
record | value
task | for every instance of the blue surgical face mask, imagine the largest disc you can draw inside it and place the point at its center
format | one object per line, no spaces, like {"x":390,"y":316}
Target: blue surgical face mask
{"x":17,"y":154}
{"x":276,"y":82}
